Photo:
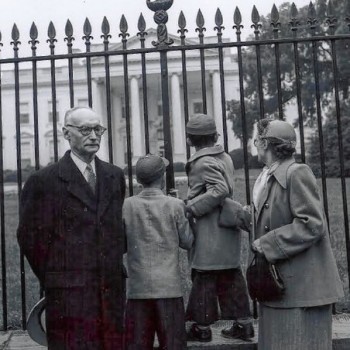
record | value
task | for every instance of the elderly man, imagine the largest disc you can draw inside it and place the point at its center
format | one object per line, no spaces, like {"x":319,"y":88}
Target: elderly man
{"x":70,"y":231}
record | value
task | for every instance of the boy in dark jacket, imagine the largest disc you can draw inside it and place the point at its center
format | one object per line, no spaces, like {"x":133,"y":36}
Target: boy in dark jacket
{"x":155,"y":227}
{"x":215,"y":257}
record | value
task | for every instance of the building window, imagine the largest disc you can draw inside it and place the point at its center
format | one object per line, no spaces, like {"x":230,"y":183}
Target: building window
{"x":160,"y":109}
{"x":161,"y":151}
{"x":26,"y":152}
{"x":51,"y":112}
{"x":83,"y":102}
{"x":125,"y":143}
{"x":122,"y":103}
{"x":123,"y":111}
{"x":52,"y":150}
{"x":160,"y":134}
{"x":197,"y":107}
{"x":24,"y":112}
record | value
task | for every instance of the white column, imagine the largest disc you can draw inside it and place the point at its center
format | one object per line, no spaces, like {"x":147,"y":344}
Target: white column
{"x":98,"y":101}
{"x":118,"y":147}
{"x":136,"y":127}
{"x":178,"y":123}
{"x":217,"y":103}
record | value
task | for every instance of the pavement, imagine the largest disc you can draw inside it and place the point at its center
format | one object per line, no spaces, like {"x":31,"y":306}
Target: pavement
{"x":18,"y":340}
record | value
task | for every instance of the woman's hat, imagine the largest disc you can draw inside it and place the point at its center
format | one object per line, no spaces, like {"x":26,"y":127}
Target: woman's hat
{"x":281,"y":131}
{"x":36,"y":323}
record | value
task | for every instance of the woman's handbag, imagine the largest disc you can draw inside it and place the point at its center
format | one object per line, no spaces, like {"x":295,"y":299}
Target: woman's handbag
{"x":263,"y":280}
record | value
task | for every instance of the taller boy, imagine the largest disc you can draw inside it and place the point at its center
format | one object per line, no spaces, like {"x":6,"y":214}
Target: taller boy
{"x":215,"y":256}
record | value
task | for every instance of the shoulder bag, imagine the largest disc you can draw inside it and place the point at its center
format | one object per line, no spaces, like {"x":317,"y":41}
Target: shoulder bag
{"x":263,"y":278}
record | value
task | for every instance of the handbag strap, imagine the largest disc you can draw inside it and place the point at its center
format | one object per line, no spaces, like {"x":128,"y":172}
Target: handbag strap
{"x":252,"y":231}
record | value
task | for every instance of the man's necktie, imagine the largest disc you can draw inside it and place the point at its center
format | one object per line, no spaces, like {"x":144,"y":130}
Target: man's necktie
{"x":91,"y":178}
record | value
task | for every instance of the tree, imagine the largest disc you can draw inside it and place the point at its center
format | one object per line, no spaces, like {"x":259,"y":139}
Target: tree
{"x":330,"y":143}
{"x":288,"y":20}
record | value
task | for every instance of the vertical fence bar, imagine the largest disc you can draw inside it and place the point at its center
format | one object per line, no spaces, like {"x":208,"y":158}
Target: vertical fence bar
{"x":170,"y":181}
{"x":33,"y":42}
{"x":341,"y":151}
{"x":52,"y":34}
{"x":312,"y":21}
{"x":106,"y":36}
{"x":276,"y":24}
{"x":183,"y":31}
{"x":87,"y":37}
{"x":2,"y":218}
{"x":237,"y":18}
{"x":331,"y":21}
{"x":123,"y":29}
{"x":201,"y":29}
{"x":69,"y":38}
{"x":219,"y":27}
{"x":15,"y":43}
{"x":141,"y":27}
{"x":294,"y":22}
{"x":256,"y":25}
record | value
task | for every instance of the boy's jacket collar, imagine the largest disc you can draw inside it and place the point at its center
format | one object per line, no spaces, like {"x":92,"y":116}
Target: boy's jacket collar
{"x":207,"y":151}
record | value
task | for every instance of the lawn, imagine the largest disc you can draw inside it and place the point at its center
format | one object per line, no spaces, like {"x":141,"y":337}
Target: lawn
{"x":32,"y":287}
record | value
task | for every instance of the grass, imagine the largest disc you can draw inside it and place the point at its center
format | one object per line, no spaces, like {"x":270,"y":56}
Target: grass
{"x":335,"y":206}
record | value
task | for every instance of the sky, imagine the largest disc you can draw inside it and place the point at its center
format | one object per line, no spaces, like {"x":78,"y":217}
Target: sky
{"x":25,"y":12}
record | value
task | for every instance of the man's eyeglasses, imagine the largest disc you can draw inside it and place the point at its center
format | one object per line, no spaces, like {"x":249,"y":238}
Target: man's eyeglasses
{"x":87,"y":130}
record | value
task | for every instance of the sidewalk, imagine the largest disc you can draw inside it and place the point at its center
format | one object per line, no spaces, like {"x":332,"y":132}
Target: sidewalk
{"x":18,"y":340}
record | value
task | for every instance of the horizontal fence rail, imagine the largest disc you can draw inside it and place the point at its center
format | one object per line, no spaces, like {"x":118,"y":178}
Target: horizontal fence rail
{"x":293,"y":66}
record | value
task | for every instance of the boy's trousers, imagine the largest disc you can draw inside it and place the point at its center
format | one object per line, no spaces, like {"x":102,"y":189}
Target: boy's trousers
{"x":147,"y":317}
{"x":212,"y":287}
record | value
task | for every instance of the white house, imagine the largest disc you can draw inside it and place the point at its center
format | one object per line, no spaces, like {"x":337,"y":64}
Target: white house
{"x":46,"y":142}
{"x":99,"y":101}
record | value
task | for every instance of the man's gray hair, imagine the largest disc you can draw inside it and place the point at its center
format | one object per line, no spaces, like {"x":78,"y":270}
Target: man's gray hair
{"x":69,"y":112}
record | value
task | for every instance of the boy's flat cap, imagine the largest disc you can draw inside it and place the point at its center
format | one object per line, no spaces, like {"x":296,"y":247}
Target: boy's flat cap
{"x":150,"y":167}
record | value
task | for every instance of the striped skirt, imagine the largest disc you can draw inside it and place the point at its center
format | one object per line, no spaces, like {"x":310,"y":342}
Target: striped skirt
{"x":295,"y":329}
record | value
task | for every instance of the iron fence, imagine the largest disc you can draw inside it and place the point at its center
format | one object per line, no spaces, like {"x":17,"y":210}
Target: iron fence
{"x":304,"y":52}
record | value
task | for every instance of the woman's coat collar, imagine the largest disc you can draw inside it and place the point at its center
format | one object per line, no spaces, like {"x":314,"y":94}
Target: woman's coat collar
{"x":280,"y":173}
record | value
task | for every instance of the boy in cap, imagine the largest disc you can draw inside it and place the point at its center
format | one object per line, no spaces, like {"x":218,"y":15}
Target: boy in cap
{"x":215,"y":257}
{"x":155,"y":227}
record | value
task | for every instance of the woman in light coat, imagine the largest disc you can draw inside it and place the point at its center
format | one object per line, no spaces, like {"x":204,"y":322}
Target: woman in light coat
{"x":291,"y":231}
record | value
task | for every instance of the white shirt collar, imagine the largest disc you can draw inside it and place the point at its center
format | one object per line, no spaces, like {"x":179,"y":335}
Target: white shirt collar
{"x":81,"y":164}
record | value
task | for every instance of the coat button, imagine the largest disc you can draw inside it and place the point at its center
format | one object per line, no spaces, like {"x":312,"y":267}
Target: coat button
{"x":266,"y":205}
{"x":267,"y":228}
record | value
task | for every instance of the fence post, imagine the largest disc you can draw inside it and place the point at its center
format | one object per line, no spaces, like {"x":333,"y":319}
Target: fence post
{"x":161,"y":18}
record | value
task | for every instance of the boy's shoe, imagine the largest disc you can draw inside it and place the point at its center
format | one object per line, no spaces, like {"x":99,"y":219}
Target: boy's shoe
{"x":239,"y":331}
{"x":197,"y":334}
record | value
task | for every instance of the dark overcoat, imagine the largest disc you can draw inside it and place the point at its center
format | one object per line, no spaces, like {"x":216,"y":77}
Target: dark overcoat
{"x":74,"y":241}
